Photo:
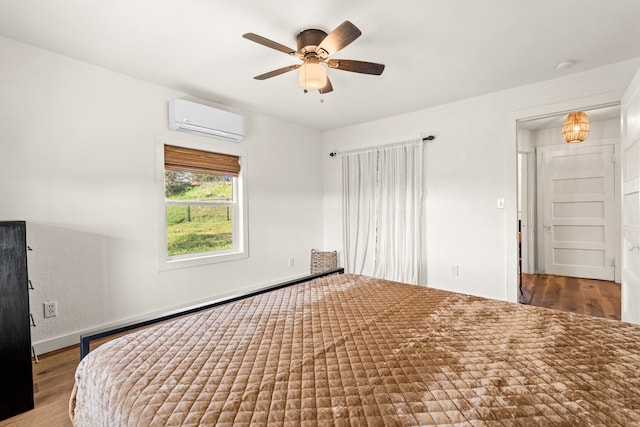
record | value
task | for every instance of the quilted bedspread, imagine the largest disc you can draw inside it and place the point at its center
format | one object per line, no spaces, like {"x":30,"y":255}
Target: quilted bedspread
{"x":352,"y":350}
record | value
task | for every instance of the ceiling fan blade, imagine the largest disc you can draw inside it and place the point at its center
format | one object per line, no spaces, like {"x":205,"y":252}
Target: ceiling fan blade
{"x":340,"y":37}
{"x":277,"y":72}
{"x":356,"y":66}
{"x":327,"y":88}
{"x":269,"y":43}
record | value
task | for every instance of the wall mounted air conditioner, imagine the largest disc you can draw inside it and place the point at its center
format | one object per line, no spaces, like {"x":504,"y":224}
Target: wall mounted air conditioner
{"x":201,"y":119}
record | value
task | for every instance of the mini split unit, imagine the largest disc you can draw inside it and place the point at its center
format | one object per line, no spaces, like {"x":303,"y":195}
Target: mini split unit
{"x":201,"y":119}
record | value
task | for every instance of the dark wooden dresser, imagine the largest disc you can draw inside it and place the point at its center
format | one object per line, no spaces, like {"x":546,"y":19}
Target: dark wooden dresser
{"x":16,"y":392}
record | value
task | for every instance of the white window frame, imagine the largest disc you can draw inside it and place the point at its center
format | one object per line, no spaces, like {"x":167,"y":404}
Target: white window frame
{"x":240,"y":247}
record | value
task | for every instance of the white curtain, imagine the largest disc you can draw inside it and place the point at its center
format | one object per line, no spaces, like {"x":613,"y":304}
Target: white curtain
{"x":382,"y":198}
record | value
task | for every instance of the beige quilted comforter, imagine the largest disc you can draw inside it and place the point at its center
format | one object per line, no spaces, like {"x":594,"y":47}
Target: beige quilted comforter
{"x":352,"y":350}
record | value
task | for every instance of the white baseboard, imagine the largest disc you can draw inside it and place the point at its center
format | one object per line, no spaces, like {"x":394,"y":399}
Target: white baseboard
{"x":56,"y":343}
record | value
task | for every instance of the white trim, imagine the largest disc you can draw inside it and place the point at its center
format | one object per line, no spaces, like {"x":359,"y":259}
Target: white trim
{"x":240,"y":224}
{"x":630,"y":282}
{"x":56,"y":343}
{"x":217,"y":203}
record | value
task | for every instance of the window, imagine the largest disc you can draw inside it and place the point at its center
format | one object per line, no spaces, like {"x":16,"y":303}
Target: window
{"x":203,"y":218}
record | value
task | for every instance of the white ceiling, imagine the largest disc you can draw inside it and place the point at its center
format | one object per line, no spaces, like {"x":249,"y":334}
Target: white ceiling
{"x":435,"y":51}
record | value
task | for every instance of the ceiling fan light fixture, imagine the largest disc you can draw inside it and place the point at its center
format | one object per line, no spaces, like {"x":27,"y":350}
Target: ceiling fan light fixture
{"x":314,"y":48}
{"x":312,"y":75}
{"x":575,"y":127}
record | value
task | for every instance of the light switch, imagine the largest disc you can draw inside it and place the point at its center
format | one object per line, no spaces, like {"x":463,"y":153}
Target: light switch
{"x":454,"y":270}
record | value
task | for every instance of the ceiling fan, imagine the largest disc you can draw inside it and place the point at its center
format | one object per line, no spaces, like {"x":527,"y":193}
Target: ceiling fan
{"x":314,"y":48}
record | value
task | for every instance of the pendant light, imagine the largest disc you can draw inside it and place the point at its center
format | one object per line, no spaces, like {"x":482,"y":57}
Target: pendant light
{"x":576,"y":127}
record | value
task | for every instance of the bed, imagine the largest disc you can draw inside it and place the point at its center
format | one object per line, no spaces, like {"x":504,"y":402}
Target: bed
{"x":353,"y":350}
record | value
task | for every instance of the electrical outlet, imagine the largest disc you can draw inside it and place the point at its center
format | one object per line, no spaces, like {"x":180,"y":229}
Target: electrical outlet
{"x":292,"y":262}
{"x":454,"y":270}
{"x":50,"y":309}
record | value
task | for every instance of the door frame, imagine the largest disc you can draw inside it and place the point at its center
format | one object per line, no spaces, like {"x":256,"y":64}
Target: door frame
{"x":527,"y":211}
{"x":511,"y":172}
{"x":630,"y":285}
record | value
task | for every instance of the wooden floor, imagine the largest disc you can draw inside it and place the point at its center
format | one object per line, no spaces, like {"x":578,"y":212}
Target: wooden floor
{"x":52,"y":385}
{"x":584,"y":296}
{"x":53,"y":376}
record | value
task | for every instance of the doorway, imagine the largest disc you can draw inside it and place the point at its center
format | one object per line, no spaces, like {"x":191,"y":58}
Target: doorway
{"x":567,"y":199}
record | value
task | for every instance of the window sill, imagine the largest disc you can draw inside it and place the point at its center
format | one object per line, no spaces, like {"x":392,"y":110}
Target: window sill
{"x":193,"y":260}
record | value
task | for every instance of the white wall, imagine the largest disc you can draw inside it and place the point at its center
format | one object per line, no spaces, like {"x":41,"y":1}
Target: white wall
{"x":470,"y":165}
{"x":77,"y":162}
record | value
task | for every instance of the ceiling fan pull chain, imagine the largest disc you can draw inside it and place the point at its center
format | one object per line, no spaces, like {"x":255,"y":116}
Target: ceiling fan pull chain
{"x":304,"y":70}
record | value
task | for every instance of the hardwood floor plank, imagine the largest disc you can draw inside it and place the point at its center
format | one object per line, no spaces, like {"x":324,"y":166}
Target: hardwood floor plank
{"x":53,"y":380}
{"x":577,"y":295}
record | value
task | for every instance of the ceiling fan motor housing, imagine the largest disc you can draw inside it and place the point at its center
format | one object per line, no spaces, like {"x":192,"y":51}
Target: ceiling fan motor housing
{"x":309,"y":40}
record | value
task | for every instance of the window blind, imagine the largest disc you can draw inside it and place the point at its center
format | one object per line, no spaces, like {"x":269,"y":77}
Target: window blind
{"x":188,"y":159}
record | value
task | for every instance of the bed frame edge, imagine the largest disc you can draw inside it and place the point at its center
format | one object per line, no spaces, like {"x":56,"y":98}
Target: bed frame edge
{"x":87,"y":338}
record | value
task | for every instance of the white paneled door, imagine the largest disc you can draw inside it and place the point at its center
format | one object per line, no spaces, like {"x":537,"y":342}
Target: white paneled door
{"x":578,"y":211}
{"x":630,"y":110}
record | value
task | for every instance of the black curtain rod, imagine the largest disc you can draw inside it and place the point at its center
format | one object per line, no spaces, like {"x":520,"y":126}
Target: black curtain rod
{"x":426,"y":138}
